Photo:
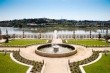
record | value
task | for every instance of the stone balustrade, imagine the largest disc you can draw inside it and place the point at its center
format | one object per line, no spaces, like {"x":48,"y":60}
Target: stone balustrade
{"x":50,"y":36}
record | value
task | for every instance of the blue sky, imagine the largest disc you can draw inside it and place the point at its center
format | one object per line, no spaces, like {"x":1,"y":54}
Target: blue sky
{"x":57,"y":9}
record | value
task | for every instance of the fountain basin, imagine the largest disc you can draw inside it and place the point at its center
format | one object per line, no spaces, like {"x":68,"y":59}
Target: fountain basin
{"x":47,"y":50}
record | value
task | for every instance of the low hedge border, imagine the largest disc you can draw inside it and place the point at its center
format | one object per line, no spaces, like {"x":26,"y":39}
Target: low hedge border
{"x":21,"y":46}
{"x":74,"y":67}
{"x":24,"y":46}
{"x":37,"y":66}
{"x":64,"y":41}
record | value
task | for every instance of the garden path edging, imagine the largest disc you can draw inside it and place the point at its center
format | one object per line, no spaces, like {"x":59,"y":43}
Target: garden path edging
{"x":30,"y":66}
{"x":81,"y":66}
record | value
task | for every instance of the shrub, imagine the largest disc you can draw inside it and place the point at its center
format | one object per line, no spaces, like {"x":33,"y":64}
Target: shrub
{"x":74,"y":67}
{"x":37,"y":66}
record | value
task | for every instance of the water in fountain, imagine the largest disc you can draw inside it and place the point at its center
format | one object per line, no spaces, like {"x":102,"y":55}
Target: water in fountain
{"x":59,"y":50}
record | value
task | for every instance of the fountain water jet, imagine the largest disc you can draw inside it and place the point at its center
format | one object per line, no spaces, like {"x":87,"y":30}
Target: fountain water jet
{"x":56,"y":48}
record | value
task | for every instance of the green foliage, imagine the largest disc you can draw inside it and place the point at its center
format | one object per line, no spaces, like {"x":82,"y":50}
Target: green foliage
{"x":74,"y":67}
{"x":89,"y":42}
{"x":7,"y":65}
{"x":37,"y":66}
{"x":53,"y":22}
{"x":23,"y":42}
{"x":102,"y":66}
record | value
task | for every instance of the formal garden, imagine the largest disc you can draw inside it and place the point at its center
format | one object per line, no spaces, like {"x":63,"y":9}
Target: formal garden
{"x":24,"y":50}
{"x":54,"y":36}
{"x":7,"y":65}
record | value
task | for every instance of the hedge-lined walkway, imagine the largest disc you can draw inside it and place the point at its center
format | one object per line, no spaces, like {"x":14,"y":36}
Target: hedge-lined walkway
{"x":29,"y":53}
{"x":55,"y":65}
{"x":61,"y":65}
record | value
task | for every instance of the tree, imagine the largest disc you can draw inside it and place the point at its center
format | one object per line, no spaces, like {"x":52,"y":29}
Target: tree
{"x":0,"y":34}
{"x":107,"y":38}
{"x":7,"y":37}
{"x":99,"y":36}
{"x":23,"y":34}
{"x":90,"y":26}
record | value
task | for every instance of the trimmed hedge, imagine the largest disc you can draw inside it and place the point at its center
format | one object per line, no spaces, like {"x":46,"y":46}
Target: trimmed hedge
{"x":74,"y":67}
{"x":37,"y":66}
{"x":22,"y":43}
{"x":49,"y":41}
{"x":79,"y":42}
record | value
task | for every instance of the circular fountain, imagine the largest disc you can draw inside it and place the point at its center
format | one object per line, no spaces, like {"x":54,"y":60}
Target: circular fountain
{"x":55,"y":49}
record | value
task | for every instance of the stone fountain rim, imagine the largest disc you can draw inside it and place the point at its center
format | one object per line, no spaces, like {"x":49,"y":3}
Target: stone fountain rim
{"x":45,"y":54}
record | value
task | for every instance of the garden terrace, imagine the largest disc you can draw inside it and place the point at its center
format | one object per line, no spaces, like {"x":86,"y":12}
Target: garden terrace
{"x":101,"y":66}
{"x":22,"y":42}
{"x":7,"y":65}
{"x":88,"y":42}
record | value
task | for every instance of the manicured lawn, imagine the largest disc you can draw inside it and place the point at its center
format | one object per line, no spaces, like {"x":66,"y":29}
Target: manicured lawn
{"x":102,"y":66}
{"x":24,"y":42}
{"x":90,"y":42}
{"x":7,"y":65}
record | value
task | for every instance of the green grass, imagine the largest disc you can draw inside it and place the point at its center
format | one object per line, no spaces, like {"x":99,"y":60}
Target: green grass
{"x":90,"y":42}
{"x":7,"y":65}
{"x":24,"y":42}
{"x":102,"y":66}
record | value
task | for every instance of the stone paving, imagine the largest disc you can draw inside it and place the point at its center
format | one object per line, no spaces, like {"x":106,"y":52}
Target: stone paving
{"x":56,"y":65}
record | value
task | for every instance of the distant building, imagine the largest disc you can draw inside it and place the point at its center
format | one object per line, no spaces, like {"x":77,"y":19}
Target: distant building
{"x":34,"y":24}
{"x":31,"y":24}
